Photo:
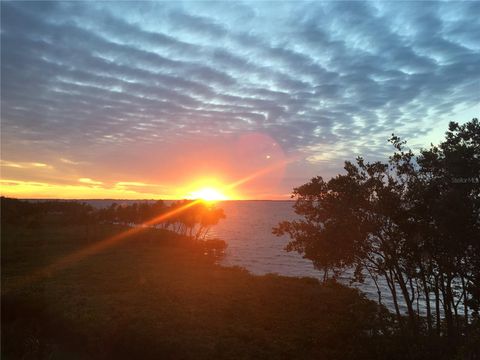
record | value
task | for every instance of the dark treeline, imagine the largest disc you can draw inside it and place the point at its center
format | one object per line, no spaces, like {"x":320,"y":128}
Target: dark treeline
{"x":185,"y":217}
{"x":413,"y":221}
{"x":192,"y":219}
{"x":32,"y":214}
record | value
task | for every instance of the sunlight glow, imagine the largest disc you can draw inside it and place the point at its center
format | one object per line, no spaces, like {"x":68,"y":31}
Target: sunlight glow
{"x":205,"y":194}
{"x":208,"y":194}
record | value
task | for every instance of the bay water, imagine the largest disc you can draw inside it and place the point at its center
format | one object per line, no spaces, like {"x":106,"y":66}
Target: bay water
{"x":247,"y":230}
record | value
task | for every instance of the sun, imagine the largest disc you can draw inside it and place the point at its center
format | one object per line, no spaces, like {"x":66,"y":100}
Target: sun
{"x":208,"y":194}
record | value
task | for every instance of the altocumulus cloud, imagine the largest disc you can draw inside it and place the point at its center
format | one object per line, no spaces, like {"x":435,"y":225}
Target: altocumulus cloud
{"x":328,"y":78}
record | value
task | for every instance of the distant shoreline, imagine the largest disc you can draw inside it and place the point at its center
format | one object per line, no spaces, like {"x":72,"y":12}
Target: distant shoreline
{"x":133,"y":200}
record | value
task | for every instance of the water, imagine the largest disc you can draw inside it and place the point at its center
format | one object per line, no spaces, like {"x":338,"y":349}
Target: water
{"x":251,"y":244}
{"x":247,"y":230}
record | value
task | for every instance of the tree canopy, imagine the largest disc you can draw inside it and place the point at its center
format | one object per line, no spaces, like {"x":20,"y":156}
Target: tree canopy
{"x":412,"y":222}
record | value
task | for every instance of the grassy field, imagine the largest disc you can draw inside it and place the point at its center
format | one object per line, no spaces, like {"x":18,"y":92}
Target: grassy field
{"x":155,"y":295}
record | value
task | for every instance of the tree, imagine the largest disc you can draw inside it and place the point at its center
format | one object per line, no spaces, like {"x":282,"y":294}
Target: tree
{"x":450,"y":212}
{"x":412,"y":222}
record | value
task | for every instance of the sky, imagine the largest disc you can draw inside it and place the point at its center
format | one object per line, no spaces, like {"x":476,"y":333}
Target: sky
{"x":160,"y":99}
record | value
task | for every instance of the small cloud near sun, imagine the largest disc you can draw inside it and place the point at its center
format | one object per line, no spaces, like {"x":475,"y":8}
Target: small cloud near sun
{"x":89,"y":181}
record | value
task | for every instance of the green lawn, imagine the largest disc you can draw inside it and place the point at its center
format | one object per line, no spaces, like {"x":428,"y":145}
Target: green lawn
{"x":156,"y":296}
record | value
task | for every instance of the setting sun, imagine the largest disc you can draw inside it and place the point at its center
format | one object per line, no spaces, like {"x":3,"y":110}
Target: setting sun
{"x":208,"y":194}
{"x":185,"y":179}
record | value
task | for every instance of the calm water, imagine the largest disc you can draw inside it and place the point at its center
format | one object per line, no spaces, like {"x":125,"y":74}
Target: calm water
{"x":251,"y":244}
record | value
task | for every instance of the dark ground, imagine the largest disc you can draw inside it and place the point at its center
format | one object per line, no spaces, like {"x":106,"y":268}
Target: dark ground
{"x":155,"y":295}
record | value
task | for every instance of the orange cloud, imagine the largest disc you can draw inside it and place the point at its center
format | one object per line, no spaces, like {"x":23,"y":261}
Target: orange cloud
{"x":24,"y":165}
{"x":42,"y":190}
{"x":90,"y":181}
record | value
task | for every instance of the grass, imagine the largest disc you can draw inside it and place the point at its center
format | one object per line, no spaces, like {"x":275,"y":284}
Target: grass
{"x":157,"y":296}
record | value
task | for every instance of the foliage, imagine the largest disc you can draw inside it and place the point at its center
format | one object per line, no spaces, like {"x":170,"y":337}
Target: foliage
{"x":190,"y":218}
{"x":413,"y":221}
{"x":186,"y":217}
{"x":157,"y":296}
{"x":33,"y":213}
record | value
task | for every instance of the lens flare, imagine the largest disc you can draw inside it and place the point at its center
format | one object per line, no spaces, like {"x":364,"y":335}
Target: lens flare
{"x":204,"y":194}
{"x":208,"y":194}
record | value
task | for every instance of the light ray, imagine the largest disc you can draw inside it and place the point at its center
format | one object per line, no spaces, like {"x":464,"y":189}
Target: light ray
{"x":259,"y":173}
{"x":76,"y":256}
{"x":71,"y":259}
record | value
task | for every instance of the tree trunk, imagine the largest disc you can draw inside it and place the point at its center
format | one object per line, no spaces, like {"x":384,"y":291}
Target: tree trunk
{"x":408,"y":300}
{"x":427,"y":303}
{"x":393,"y":291}
{"x":446,"y":304}
{"x":437,"y":306}
{"x":465,"y":302}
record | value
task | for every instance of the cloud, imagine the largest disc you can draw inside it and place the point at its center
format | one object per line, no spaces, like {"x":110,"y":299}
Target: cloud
{"x":44,"y":190}
{"x":69,"y":161}
{"x":129,"y":183}
{"x":325,"y":79}
{"x":24,"y":165}
{"x":89,"y":181}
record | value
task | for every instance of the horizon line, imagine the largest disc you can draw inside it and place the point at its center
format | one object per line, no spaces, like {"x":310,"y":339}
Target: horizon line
{"x":139,"y":199}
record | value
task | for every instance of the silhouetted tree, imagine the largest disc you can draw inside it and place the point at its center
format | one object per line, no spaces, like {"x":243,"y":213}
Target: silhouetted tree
{"x":413,"y":221}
